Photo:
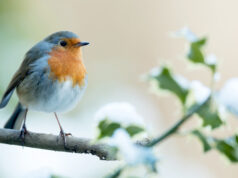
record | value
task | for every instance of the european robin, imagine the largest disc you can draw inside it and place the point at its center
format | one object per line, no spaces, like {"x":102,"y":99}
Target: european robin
{"x":52,"y":78}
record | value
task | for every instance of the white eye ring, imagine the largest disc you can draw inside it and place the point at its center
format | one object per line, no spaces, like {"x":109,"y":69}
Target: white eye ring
{"x":62,"y":43}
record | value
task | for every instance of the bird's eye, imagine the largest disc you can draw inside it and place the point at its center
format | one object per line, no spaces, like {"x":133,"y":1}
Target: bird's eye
{"x":63,"y":43}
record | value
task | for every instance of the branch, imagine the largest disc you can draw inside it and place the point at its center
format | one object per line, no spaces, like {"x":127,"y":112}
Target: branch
{"x":177,"y":125}
{"x":82,"y":145}
{"x":55,"y":143}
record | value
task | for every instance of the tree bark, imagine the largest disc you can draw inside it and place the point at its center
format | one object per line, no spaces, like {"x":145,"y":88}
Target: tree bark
{"x":55,"y":143}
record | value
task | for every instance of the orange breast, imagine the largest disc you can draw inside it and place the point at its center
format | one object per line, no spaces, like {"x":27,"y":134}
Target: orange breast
{"x":67,"y":63}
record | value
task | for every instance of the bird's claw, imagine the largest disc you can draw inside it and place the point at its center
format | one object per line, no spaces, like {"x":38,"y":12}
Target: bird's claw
{"x":22,"y":134}
{"x":64,"y":135}
{"x":68,"y":134}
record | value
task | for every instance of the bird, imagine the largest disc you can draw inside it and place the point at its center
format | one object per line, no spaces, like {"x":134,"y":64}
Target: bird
{"x":52,"y":78}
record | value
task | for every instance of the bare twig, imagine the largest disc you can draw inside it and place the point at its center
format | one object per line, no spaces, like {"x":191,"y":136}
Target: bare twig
{"x":177,"y":125}
{"x":55,"y":143}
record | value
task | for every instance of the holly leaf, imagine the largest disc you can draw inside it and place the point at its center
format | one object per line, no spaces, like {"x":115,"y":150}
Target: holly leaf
{"x":133,"y":130}
{"x":195,"y":53}
{"x":229,"y":148}
{"x":116,"y":173}
{"x":107,"y":128}
{"x":209,"y":116}
{"x":167,"y":81}
{"x":204,"y":140}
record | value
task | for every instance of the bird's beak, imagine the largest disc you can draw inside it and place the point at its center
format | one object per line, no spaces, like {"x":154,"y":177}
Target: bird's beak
{"x":81,"y":44}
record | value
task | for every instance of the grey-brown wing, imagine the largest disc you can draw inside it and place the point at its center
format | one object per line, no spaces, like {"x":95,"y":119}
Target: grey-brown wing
{"x":22,"y":72}
{"x":16,"y":80}
{"x":32,"y":55}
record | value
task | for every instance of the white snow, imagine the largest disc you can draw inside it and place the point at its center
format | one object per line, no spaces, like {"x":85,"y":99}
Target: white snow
{"x":133,"y":154}
{"x":121,"y":112}
{"x":200,"y":91}
{"x":154,"y":72}
{"x":217,"y":76}
{"x":186,"y":33}
{"x":228,"y":95}
{"x":211,"y":59}
{"x":183,"y":82}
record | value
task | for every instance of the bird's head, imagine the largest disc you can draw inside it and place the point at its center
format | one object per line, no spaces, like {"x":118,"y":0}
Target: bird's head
{"x":65,"y":56}
{"x":66,"y":42}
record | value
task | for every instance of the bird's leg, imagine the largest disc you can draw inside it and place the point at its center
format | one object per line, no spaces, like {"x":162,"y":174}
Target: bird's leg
{"x":23,"y":129}
{"x":63,"y":135}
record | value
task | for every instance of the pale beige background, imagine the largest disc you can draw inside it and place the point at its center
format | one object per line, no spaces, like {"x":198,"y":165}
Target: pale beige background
{"x":128,"y":38}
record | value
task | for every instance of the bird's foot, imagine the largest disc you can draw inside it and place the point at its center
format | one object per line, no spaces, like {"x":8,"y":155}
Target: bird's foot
{"x":68,"y":134}
{"x":22,"y":134}
{"x":64,"y":135}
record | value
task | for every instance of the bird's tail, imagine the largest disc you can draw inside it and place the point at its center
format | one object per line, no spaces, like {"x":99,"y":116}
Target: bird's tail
{"x":16,"y":119}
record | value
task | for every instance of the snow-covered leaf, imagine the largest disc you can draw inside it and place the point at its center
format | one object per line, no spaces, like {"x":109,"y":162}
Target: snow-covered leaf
{"x":118,"y":115}
{"x":208,"y":111}
{"x":209,"y":116}
{"x":196,"y":53}
{"x":167,"y":81}
{"x":133,"y":130}
{"x":200,"y":91}
{"x":228,"y":96}
{"x":229,"y":147}
{"x":107,"y":128}
{"x":211,"y":61}
{"x":132,"y":153}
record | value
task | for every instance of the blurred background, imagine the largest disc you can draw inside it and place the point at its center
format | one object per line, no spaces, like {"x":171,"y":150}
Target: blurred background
{"x":128,"y":38}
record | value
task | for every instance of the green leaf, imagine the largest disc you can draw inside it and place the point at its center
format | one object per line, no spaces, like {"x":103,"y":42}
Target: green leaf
{"x":212,"y":67}
{"x":55,"y":176}
{"x":133,"y":130}
{"x":209,"y":116}
{"x":229,"y":147}
{"x":195,"y":53}
{"x":116,"y":173}
{"x":167,"y":81}
{"x":107,"y":128}
{"x":203,"y":139}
